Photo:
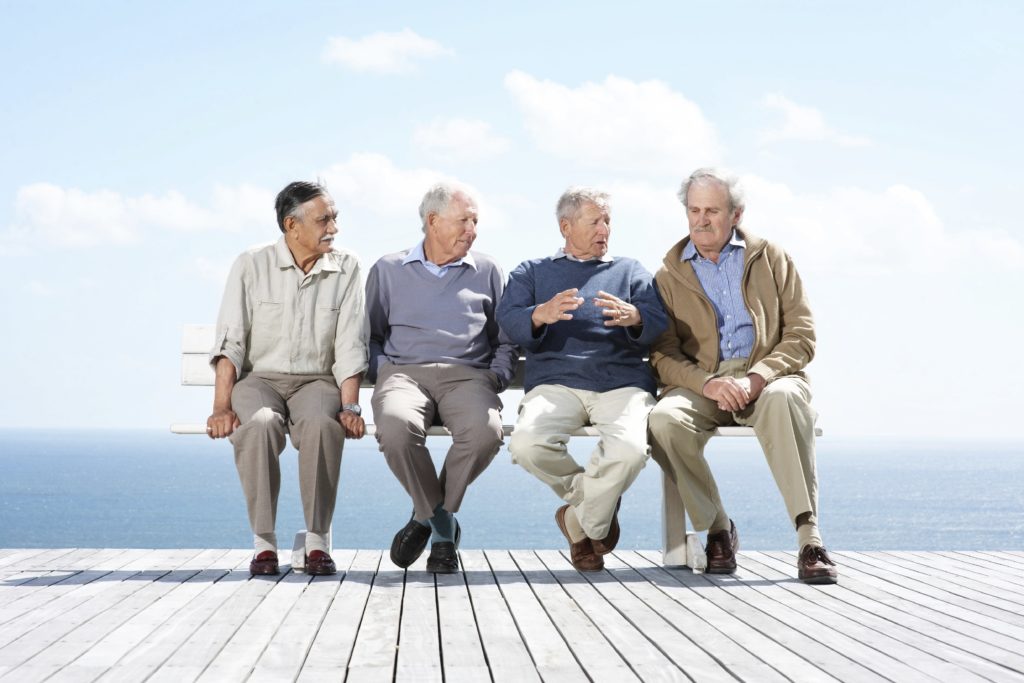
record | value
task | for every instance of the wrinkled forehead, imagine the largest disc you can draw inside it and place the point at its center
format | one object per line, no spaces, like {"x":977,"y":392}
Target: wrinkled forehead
{"x":706,"y":192}
{"x":461,"y":203}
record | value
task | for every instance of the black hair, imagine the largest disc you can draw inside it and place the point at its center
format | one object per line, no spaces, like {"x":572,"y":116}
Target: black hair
{"x":295,"y":195}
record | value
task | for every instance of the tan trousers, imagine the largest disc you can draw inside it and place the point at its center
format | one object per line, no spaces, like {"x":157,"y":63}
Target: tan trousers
{"x":548,"y":414}
{"x":269,"y":405}
{"x":408,"y":399}
{"x":783,"y":421}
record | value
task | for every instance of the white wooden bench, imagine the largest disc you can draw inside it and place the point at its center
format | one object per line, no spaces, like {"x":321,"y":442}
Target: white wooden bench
{"x":679,"y":546}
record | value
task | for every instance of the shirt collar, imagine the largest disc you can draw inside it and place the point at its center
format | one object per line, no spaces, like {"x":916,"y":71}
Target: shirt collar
{"x":286,"y":260}
{"x":735,"y":241}
{"x":418,"y":254}
{"x":561,"y":253}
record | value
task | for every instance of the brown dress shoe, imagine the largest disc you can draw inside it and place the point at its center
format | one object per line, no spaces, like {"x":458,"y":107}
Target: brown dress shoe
{"x":319,"y":563}
{"x":815,"y":566}
{"x":581,"y":553}
{"x":607,"y":544}
{"x":721,"y":550}
{"x":264,"y":564}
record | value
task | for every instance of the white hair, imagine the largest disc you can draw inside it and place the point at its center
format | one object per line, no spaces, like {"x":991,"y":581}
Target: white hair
{"x":437,"y":199}
{"x":573,"y":199}
{"x":707,"y":176}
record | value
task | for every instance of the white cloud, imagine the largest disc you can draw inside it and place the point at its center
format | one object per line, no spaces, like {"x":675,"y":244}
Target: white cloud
{"x":850,"y":229}
{"x":387,"y":53}
{"x":618,"y":124}
{"x":70,"y":217}
{"x":803,"y":123}
{"x":372,"y":181}
{"x":459,"y":139}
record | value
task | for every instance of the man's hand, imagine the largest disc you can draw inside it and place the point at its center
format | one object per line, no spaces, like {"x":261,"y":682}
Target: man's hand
{"x":619,"y":313}
{"x":557,"y":308}
{"x":354,"y":425}
{"x":221,"y":423}
{"x":754,"y":384}
{"x":732,"y":395}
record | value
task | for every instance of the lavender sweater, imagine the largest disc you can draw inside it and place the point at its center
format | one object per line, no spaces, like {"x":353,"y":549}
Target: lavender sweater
{"x":417,"y":317}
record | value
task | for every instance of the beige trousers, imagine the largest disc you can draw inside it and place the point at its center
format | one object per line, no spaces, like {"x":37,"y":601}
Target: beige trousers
{"x":408,"y":399}
{"x":783,"y":421}
{"x":306,"y":407}
{"x":549,"y":413}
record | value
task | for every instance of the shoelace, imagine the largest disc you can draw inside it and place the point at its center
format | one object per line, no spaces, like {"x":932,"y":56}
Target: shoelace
{"x":817,"y":553}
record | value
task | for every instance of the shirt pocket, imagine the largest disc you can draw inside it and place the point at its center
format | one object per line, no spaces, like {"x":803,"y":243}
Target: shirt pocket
{"x":325,"y":328}
{"x":266,"y":331}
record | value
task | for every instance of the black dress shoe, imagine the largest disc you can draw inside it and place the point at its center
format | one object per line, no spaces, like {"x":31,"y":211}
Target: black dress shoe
{"x":264,"y":564}
{"x":721,"y":550}
{"x":443,"y":559}
{"x":319,"y":563}
{"x":409,"y":543}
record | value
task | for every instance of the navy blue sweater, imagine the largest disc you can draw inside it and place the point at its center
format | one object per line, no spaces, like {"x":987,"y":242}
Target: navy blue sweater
{"x":582,"y":353}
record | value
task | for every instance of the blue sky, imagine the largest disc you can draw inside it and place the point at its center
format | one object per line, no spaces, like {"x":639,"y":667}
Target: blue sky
{"x":143,"y":147}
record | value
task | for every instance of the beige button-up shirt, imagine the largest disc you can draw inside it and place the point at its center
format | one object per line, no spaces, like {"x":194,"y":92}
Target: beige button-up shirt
{"x":275,"y":318}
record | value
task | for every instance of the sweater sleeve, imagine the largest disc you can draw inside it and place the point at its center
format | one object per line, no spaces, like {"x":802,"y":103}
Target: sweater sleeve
{"x":377,"y":316}
{"x":506,"y":353}
{"x":516,"y":309}
{"x":644,"y":295}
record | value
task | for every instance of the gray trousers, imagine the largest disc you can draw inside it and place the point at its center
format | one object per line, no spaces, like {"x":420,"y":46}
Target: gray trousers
{"x":783,"y":421}
{"x":406,"y":401}
{"x":269,"y":405}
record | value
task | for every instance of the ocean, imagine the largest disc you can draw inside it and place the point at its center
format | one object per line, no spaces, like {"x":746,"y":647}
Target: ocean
{"x":153,"y":489}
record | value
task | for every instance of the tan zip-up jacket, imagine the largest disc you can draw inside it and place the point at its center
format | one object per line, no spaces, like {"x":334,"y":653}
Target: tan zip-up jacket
{"x":687,"y":354}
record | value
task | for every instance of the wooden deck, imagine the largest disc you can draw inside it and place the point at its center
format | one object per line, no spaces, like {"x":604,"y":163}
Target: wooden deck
{"x":182,"y":615}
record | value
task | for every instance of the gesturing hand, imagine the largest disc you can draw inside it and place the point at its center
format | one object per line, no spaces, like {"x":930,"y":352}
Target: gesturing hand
{"x":557,"y":308}
{"x":617,"y":311}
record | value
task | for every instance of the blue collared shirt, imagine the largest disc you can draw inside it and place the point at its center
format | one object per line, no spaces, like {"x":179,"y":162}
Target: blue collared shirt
{"x":722,"y":283}
{"x":417,"y":254}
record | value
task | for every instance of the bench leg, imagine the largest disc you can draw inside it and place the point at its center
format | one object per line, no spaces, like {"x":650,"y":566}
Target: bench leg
{"x":679,"y":547}
{"x":299,"y":549}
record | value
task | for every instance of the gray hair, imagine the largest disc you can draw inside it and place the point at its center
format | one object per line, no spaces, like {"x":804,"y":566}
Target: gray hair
{"x":573,"y":199}
{"x":437,"y":199}
{"x":706,"y":176}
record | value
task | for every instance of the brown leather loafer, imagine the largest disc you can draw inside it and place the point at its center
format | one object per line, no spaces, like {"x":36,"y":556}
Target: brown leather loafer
{"x":319,"y":563}
{"x":264,"y":564}
{"x":815,"y":566}
{"x":608,"y":543}
{"x":581,"y":553}
{"x":721,"y":550}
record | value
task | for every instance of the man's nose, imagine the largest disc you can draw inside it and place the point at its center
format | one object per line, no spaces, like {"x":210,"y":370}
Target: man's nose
{"x":332,"y":226}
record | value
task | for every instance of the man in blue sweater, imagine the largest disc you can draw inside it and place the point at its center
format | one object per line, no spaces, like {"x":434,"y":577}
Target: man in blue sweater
{"x":585,"y":320}
{"x":436,"y":356}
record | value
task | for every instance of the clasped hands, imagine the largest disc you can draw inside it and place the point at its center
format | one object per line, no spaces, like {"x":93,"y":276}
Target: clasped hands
{"x":618,"y":313}
{"x":732,"y":394}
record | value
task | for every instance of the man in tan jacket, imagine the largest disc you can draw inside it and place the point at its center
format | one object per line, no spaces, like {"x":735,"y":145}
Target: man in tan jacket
{"x":740,"y":333}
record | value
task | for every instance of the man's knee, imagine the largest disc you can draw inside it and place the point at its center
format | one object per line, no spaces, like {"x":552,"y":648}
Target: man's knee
{"x":484,"y":436}
{"x":266,"y":419}
{"x":320,"y":422}
{"x":395,"y":433}
{"x":664,"y":420}
{"x":785,"y":395}
{"x":632,"y":454}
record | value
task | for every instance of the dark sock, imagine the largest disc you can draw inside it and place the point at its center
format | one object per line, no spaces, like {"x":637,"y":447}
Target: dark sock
{"x":443,"y":525}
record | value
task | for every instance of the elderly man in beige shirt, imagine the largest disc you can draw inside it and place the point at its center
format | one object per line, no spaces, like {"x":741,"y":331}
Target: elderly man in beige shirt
{"x":290,"y":353}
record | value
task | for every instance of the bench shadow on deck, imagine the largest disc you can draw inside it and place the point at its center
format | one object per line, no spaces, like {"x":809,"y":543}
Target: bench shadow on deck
{"x":116,"y":614}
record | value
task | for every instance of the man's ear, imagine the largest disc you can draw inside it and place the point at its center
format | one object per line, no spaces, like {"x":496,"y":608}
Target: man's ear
{"x":563,"y":226}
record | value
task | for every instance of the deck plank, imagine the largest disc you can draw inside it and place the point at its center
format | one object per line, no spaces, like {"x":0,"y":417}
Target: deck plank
{"x":503,"y":645}
{"x":523,"y":615}
{"x":591,"y":646}
{"x":640,"y":653}
{"x":551,"y":655}
{"x":696,"y":640}
{"x":333,"y":644}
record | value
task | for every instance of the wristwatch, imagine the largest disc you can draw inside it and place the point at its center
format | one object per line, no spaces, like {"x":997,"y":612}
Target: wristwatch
{"x":353,"y":408}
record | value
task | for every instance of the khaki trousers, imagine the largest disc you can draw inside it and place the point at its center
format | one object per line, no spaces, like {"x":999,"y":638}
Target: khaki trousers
{"x":783,"y":421}
{"x":548,"y":414}
{"x":408,"y":399}
{"x":269,"y":405}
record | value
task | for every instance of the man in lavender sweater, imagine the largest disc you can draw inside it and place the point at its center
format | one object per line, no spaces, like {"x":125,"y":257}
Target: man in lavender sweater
{"x":585,"y":320}
{"x":437,"y":358}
